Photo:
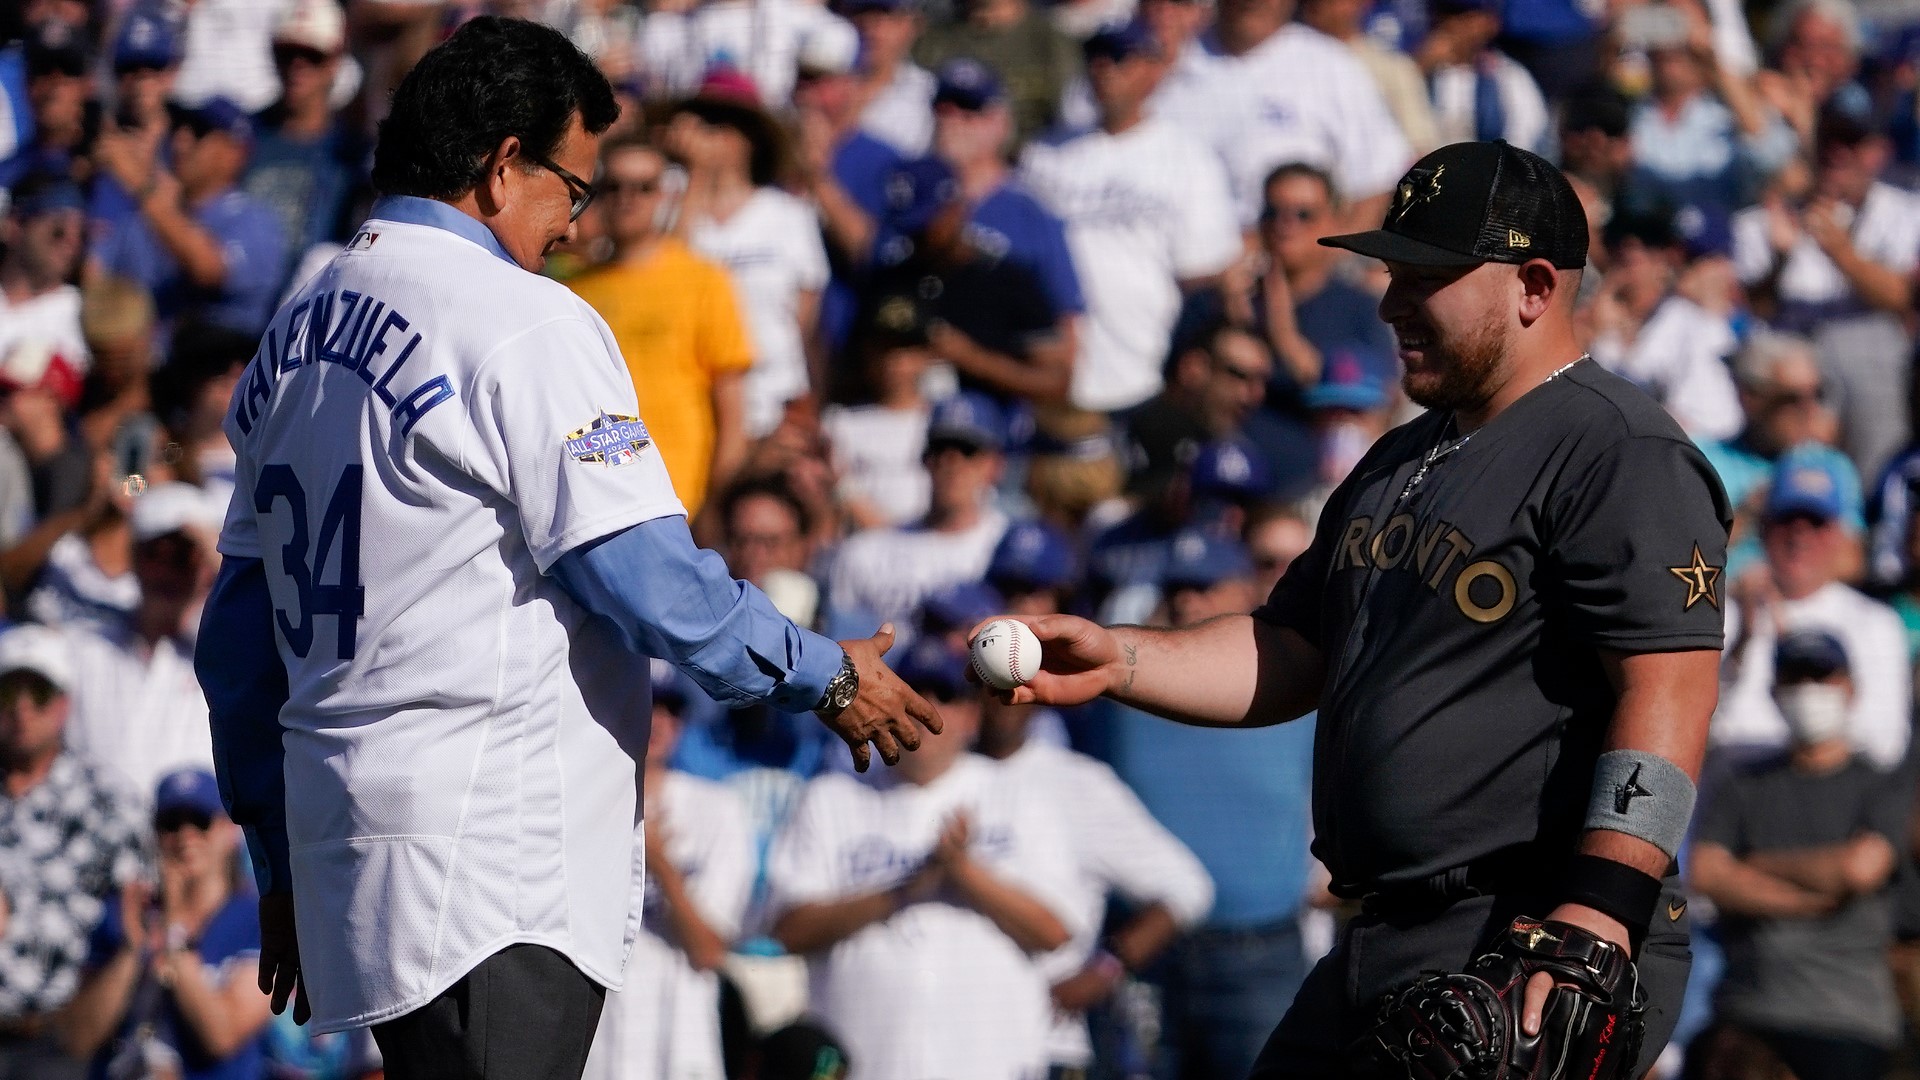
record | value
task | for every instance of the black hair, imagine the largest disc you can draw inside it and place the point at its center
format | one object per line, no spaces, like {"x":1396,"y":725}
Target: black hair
{"x":771,"y":487}
{"x":493,"y":78}
{"x":1300,"y":168}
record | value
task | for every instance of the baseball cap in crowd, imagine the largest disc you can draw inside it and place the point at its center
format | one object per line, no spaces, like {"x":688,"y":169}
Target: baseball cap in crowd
{"x":849,"y":8}
{"x":968,"y":84}
{"x":39,"y":649}
{"x":1121,"y":41}
{"x":1703,"y":230}
{"x":916,"y":193}
{"x":188,"y":791}
{"x":959,"y":607}
{"x":1597,"y":106}
{"x":1350,"y":381}
{"x":970,"y":419}
{"x":802,"y":1051}
{"x":831,"y":47}
{"x":1806,"y":485}
{"x":216,"y":114}
{"x":932,"y":667}
{"x":171,"y":508}
{"x":1032,"y":555}
{"x":1229,"y":469}
{"x":1202,"y":558}
{"x":148,"y":39}
{"x":1846,"y":119}
{"x":1808,"y":654}
{"x":1477,"y":202}
{"x":894,"y":320}
{"x":44,"y":193}
{"x":319,"y":25}
{"x":56,"y":47}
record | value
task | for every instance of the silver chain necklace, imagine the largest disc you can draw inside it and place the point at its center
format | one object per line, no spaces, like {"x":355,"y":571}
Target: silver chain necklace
{"x":1443,"y":449}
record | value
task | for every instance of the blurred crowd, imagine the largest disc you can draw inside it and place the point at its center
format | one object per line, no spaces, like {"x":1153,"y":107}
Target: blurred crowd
{"x":937,"y":309}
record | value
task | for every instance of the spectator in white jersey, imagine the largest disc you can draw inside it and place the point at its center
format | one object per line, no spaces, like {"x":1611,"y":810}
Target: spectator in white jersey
{"x":1479,"y":92}
{"x":923,"y":899}
{"x":768,"y":240}
{"x":877,"y":443}
{"x":1147,"y":212}
{"x":665,"y":1025}
{"x":896,"y":89}
{"x":1118,"y":849}
{"x":136,"y":705}
{"x":885,"y":573}
{"x":1797,"y":589}
{"x":1262,"y":90}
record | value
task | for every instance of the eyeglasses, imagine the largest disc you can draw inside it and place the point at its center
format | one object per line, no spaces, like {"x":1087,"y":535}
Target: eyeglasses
{"x":617,"y":188}
{"x":287,"y":53}
{"x":1301,"y":214}
{"x":578,"y":190}
{"x":173,"y":820}
{"x":1786,"y":396}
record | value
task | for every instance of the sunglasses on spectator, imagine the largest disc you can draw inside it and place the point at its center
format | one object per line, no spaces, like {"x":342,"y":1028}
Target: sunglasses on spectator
{"x":964,"y":449}
{"x":1780,"y":399}
{"x":579,"y":191}
{"x":614,"y":189}
{"x":173,"y":820}
{"x":1300,"y":214}
{"x":287,"y":54}
{"x":139,"y":67}
{"x":1238,"y":373}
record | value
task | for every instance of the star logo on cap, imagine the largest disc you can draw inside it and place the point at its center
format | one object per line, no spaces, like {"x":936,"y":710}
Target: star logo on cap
{"x":1418,"y":186}
{"x":1700,"y":580}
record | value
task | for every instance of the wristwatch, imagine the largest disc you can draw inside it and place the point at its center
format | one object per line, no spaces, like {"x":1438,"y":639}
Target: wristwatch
{"x":841,"y":689}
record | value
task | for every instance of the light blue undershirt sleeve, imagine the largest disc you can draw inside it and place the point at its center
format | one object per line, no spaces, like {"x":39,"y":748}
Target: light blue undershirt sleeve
{"x":240,"y":670}
{"x":671,"y":599}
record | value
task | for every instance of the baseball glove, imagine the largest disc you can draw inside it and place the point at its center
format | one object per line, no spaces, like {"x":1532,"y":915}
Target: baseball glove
{"x":1466,"y":1026}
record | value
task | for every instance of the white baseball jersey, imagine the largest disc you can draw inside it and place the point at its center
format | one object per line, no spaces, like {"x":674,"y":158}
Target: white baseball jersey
{"x":1144,"y":209}
{"x":665,"y":1024}
{"x":1118,"y":847}
{"x":937,"y":991}
{"x":137,"y":711}
{"x":886,"y":573}
{"x":425,"y":429}
{"x":1297,"y":96}
{"x":1885,"y":230}
{"x":772,"y":249}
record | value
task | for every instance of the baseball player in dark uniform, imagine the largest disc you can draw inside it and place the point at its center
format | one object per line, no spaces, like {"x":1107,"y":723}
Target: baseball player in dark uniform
{"x":1509,"y":621}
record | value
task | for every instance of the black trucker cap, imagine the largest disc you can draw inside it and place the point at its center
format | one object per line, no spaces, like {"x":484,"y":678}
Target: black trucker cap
{"x":1477,"y":202}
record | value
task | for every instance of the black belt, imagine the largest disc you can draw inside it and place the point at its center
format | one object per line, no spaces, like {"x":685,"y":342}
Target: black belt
{"x":1511,"y":869}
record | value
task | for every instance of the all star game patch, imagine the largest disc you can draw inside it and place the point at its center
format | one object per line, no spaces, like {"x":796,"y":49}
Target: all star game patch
{"x":611,"y":439}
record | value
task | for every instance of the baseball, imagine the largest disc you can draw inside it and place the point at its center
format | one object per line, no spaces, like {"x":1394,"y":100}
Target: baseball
{"x":1006,"y":653}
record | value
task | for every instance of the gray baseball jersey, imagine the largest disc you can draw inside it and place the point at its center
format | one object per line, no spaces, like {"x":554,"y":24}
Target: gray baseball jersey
{"x":1462,"y":596}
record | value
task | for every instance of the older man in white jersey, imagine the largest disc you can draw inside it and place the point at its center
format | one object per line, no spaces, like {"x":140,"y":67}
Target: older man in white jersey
{"x":450,"y":547}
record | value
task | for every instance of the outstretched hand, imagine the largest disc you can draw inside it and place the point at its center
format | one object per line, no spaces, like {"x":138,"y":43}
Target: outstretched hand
{"x":1079,"y":661}
{"x":885,"y":711}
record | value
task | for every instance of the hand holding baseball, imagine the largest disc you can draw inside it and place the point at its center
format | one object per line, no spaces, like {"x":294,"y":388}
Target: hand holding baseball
{"x":1079,"y":660}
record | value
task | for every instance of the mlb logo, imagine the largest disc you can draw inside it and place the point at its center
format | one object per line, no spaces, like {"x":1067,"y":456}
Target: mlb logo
{"x":621,"y":456}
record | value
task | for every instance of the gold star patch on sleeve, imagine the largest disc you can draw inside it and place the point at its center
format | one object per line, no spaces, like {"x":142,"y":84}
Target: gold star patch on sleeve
{"x":1700,"y":580}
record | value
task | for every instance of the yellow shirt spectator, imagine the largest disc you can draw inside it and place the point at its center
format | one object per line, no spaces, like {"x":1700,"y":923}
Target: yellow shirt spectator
{"x":678,"y":327}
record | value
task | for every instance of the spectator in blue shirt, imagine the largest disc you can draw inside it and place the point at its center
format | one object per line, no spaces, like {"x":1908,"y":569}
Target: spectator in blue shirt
{"x":308,"y":165}
{"x":147,"y":53}
{"x":972,"y":128}
{"x":47,"y":84}
{"x":170,"y":988}
{"x":204,"y":248}
{"x":1225,"y":981}
{"x":846,"y":168}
